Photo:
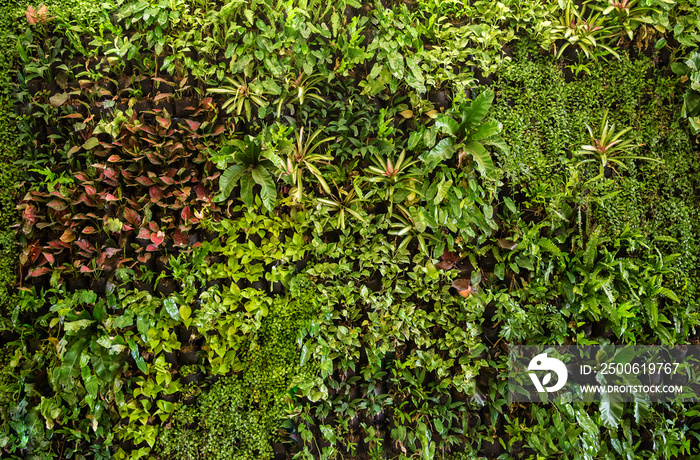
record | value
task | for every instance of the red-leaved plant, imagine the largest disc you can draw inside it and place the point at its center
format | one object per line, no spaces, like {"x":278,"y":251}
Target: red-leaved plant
{"x":40,"y":16}
{"x":138,"y":198}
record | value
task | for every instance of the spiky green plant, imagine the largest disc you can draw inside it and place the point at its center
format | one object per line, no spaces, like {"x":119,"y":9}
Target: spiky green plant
{"x":608,"y":147}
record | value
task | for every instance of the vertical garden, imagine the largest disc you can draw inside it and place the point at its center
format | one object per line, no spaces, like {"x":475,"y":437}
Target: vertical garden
{"x":275,"y":229}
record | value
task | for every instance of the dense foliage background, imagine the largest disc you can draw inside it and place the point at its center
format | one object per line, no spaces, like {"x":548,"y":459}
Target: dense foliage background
{"x":300,"y":229}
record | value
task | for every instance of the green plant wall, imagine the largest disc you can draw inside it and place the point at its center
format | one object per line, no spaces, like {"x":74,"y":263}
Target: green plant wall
{"x":310,"y":230}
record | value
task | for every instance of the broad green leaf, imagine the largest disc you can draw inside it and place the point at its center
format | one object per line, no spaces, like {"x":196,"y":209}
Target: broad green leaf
{"x":584,"y":420}
{"x":447,"y":125}
{"x":165,"y":406}
{"x":641,"y":409}
{"x":510,"y":204}
{"x":77,"y":325}
{"x":652,"y":313}
{"x":611,"y":410}
{"x":694,"y":62}
{"x":414,"y":139}
{"x":475,"y":113}
{"x":439,"y":427}
{"x":92,"y":385}
{"x":692,"y":103}
{"x":106,"y":366}
{"x":140,"y":362}
{"x":91,"y":143}
{"x":250,"y":154}
{"x":305,"y":354}
{"x":276,"y":160}
{"x":396,"y":65}
{"x":143,"y":324}
{"x":229,"y":178}
{"x":58,"y":100}
{"x":269,"y":191}
{"x":486,"y":130}
{"x":680,"y":69}
{"x":111,"y":345}
{"x":500,"y":270}
{"x":498,"y":142}
{"x":443,"y":188}
{"x":247,"y":184}
{"x":694,"y":125}
{"x":419,"y":219}
{"x":73,"y":354}
{"x":114,"y":225}
{"x":481,"y":156}
{"x":444,"y":150}
{"x":171,"y":307}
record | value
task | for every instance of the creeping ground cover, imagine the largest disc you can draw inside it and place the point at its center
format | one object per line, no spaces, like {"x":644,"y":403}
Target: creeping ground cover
{"x":276,"y":229}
